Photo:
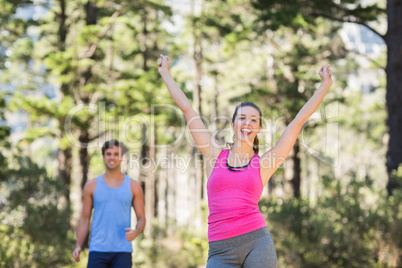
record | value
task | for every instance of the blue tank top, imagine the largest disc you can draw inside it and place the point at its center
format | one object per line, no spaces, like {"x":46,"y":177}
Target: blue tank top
{"x":111,"y":214}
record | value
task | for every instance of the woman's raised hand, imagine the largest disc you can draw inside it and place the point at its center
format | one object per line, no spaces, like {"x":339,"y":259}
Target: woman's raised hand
{"x":326,"y":74}
{"x":164,"y":63}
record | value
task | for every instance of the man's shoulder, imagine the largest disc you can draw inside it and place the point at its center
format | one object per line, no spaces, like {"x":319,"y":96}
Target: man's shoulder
{"x":92,"y":181}
{"x":135,"y":186}
{"x":90,"y":185}
{"x":134,"y":183}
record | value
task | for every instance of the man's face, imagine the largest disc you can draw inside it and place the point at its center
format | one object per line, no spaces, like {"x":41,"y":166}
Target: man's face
{"x":113,"y":158}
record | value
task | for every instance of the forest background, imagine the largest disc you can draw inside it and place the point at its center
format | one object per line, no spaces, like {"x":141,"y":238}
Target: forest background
{"x":74,"y":74}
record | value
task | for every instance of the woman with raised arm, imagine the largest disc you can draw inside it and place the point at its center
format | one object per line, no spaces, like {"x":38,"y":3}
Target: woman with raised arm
{"x":237,"y":231}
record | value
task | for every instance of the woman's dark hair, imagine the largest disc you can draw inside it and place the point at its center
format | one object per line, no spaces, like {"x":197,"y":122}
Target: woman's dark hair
{"x":114,"y":143}
{"x":245,"y":104}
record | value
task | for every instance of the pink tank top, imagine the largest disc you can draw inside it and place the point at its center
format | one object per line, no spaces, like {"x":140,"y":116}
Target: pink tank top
{"x":233,"y":199}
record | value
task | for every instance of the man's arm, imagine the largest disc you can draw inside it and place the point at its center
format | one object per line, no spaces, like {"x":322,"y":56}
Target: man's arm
{"x":138,"y":204}
{"x":83,"y":224}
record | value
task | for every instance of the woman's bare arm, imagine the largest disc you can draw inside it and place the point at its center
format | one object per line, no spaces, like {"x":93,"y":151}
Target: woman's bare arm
{"x":207,"y":144}
{"x":272,"y":159}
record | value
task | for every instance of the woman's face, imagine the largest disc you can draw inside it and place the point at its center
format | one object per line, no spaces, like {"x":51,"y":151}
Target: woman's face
{"x":246,"y":125}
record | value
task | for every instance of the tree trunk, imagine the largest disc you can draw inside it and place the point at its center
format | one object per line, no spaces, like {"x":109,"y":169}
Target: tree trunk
{"x":196,"y":154}
{"x":62,"y":17}
{"x":394,"y":91}
{"x":148,"y":177}
{"x":148,"y":149}
{"x":214,"y":105}
{"x":91,"y":11}
{"x":64,"y":158}
{"x":144,"y":47}
{"x":84,"y":157}
{"x":171,"y":184}
{"x":296,"y":180}
{"x":64,"y":155}
{"x":84,"y":163}
{"x":198,"y":74}
{"x":296,"y":169}
{"x":84,"y":138}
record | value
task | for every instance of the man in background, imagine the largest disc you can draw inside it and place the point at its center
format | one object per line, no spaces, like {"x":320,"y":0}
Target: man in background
{"x":111,"y":195}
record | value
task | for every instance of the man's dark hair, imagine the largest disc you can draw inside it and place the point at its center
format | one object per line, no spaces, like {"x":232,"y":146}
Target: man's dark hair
{"x":114,"y":143}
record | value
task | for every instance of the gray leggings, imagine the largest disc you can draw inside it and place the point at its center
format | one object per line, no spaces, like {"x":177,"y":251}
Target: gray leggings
{"x":251,"y":250}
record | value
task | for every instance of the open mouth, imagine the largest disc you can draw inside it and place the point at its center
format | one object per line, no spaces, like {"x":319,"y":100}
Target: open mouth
{"x":245,"y":132}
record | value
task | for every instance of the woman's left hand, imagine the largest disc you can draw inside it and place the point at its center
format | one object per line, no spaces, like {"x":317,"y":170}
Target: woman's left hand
{"x":326,"y":74}
{"x":164,"y":64}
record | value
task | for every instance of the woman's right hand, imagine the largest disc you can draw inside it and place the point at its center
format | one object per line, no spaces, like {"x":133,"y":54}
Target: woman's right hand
{"x":164,"y":64}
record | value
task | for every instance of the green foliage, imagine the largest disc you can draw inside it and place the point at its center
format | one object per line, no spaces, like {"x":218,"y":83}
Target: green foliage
{"x":4,"y":129}
{"x":11,"y":27}
{"x":298,"y":14}
{"x":33,"y":226}
{"x":348,"y":226}
{"x":395,"y":177}
{"x":183,"y":249}
{"x":4,"y":134}
{"x":369,"y":116}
